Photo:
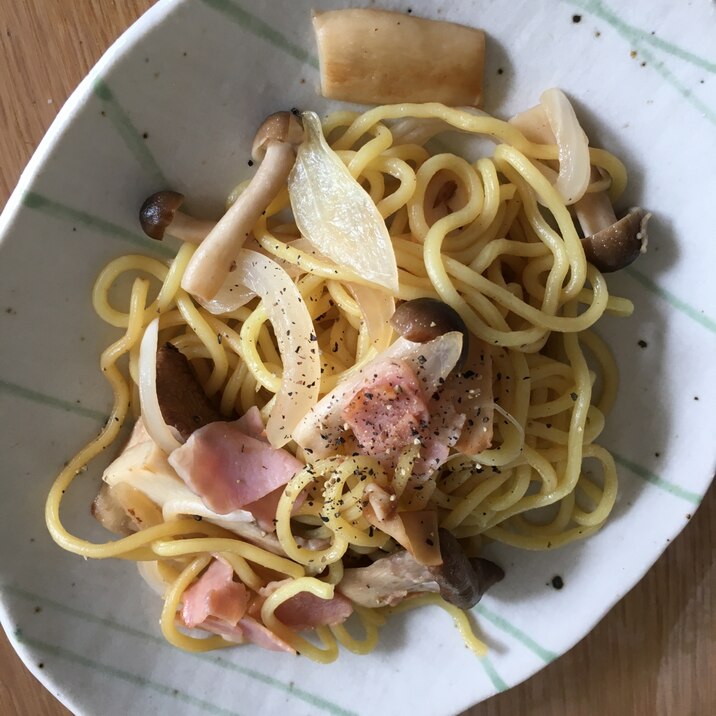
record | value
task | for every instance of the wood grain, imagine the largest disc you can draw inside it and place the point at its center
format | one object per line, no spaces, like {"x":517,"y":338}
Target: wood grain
{"x":655,"y":652}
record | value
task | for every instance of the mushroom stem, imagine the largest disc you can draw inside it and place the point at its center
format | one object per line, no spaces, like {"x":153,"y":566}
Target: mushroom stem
{"x":609,"y":243}
{"x":214,"y":259}
{"x":595,"y":212}
{"x":160,"y":214}
{"x":189,"y":229}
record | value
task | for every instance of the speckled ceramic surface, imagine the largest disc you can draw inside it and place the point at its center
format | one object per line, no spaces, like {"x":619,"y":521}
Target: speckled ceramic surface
{"x":174,"y":103}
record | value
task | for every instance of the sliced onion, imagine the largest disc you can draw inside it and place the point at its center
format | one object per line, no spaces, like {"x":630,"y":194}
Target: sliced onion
{"x":432,"y":362}
{"x":151,"y":412}
{"x":147,"y":470}
{"x":336,"y":214}
{"x":297,"y":343}
{"x":377,"y":307}
{"x":572,"y":143}
{"x":232,"y":295}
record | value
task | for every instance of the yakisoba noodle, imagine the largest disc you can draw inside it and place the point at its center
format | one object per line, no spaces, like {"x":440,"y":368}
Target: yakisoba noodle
{"x":508,"y":259}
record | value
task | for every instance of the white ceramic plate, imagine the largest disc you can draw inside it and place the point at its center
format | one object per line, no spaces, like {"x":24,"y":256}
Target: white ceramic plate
{"x":174,"y":104}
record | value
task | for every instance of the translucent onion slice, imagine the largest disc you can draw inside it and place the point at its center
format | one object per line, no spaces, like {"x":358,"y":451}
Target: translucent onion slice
{"x":297,"y":343}
{"x":144,"y":468}
{"x":572,"y":143}
{"x":336,"y":214}
{"x":377,"y":307}
{"x":232,"y":295}
{"x":431,"y":361}
{"x":152,"y":417}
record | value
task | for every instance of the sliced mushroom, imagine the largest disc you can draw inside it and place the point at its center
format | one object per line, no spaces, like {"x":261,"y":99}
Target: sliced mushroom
{"x":275,"y":143}
{"x":160,"y":215}
{"x":380,"y":57}
{"x":387,"y":581}
{"x":391,"y":579}
{"x":610,"y":244}
{"x":416,"y":531}
{"x":462,"y":581}
{"x":423,"y":319}
{"x":182,"y":400}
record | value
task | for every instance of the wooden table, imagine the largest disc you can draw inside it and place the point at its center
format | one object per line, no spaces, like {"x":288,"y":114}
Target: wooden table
{"x":653,"y":655}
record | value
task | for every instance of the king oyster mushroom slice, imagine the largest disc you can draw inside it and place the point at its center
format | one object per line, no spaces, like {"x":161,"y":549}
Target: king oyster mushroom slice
{"x":375,"y":56}
{"x":609,"y":243}
{"x":160,"y":215}
{"x":390,"y":579}
{"x":274,"y":146}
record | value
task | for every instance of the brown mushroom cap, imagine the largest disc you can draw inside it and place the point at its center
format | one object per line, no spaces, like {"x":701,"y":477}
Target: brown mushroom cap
{"x":182,"y":399}
{"x":158,"y":211}
{"x":462,"y":581}
{"x":423,"y":319}
{"x":618,"y":245}
{"x":278,"y":127}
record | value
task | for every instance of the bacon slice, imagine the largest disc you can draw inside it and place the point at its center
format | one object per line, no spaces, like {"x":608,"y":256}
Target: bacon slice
{"x":229,"y":469}
{"x":215,"y":594}
{"x":389,"y":412}
{"x":307,"y":611}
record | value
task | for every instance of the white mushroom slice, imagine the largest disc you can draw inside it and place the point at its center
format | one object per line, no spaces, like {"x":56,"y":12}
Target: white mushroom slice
{"x":276,"y":143}
{"x":379,"y":57}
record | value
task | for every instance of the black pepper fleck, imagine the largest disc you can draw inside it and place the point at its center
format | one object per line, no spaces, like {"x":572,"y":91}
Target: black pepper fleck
{"x":557,"y":582}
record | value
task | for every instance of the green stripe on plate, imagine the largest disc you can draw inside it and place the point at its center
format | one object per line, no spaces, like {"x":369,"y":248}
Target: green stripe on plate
{"x":491,"y":672}
{"x":674,"y":301}
{"x":57,"y":210}
{"x":137,"y":681}
{"x":305,"y":696}
{"x":261,"y":29}
{"x":132,"y":137}
{"x":660,"y":482}
{"x":636,"y":33}
{"x":36,"y":397}
{"x":638,"y":38}
{"x":501,"y":623}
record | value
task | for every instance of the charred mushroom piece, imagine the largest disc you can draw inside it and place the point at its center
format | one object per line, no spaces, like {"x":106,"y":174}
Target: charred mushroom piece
{"x":391,"y":579}
{"x":387,"y":581}
{"x":380,"y":57}
{"x":182,"y":400}
{"x":275,"y":143}
{"x":160,"y":215}
{"x":423,"y":319}
{"x":462,"y":582}
{"x":620,"y":244}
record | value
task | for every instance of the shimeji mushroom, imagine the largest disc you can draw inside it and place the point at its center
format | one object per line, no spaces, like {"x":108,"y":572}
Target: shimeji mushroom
{"x":422,"y":319}
{"x":380,"y":57}
{"x":275,"y":147}
{"x":609,"y":243}
{"x":160,"y":215}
